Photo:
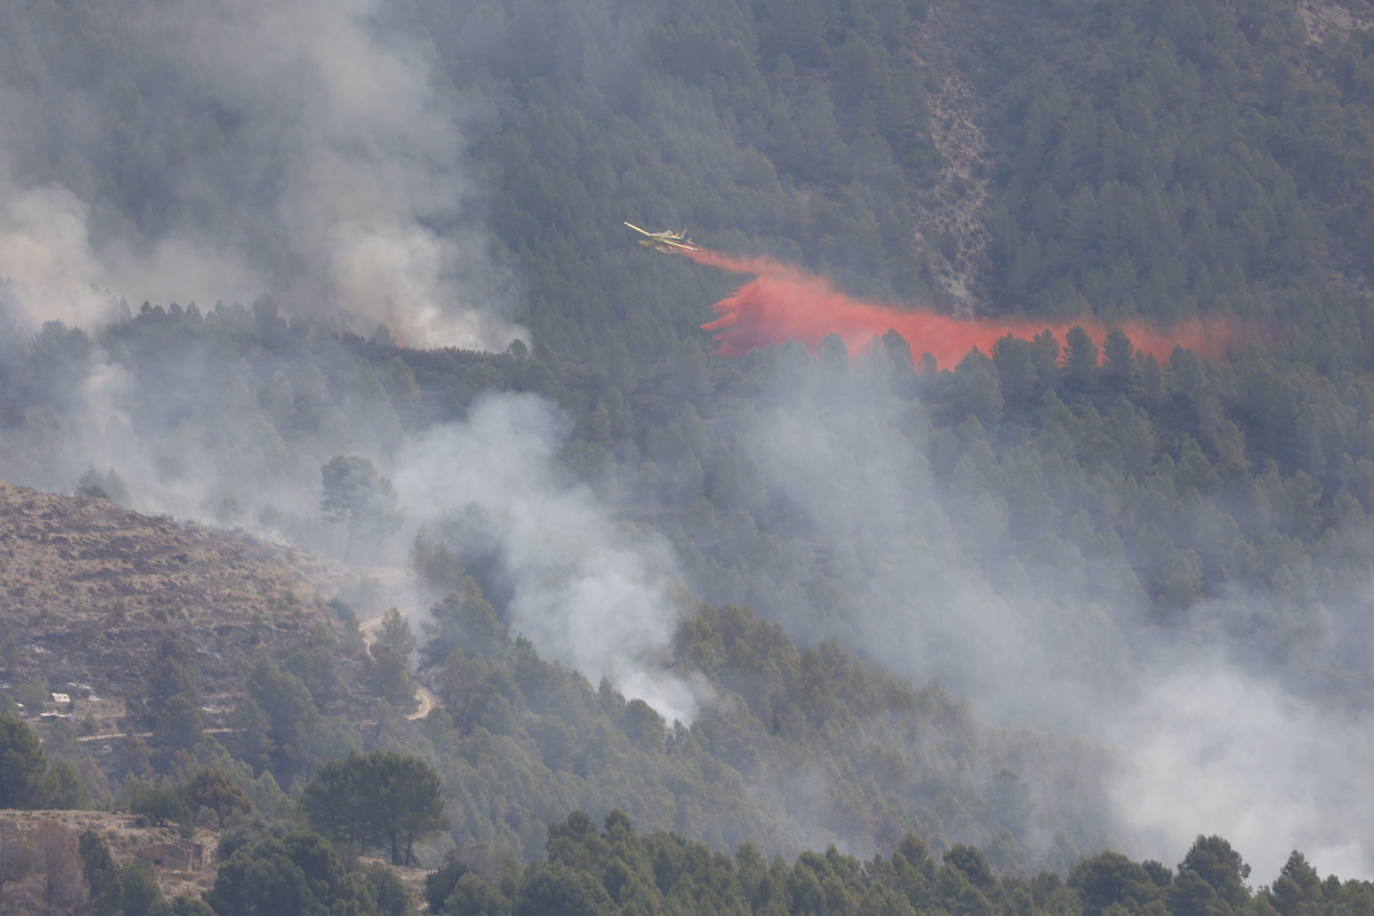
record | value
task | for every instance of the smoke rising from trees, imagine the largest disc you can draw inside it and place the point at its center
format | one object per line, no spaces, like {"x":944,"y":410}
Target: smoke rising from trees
{"x":1199,"y":726}
{"x":944,"y":526}
{"x":232,"y":150}
{"x":582,"y":589}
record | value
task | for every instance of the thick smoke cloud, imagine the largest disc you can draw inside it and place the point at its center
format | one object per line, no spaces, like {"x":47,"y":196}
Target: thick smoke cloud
{"x":292,"y":149}
{"x":582,"y":590}
{"x":1224,"y":742}
{"x":843,"y":451}
{"x":46,"y":260}
{"x":586,"y":591}
{"x":303,"y":150}
{"x":1210,"y":748}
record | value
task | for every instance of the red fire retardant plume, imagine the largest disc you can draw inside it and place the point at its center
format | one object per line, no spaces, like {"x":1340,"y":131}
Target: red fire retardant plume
{"x":783,"y":303}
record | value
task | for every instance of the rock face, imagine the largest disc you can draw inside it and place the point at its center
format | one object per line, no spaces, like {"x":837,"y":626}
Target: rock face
{"x":87,"y":589}
{"x":1327,"y":19}
{"x":952,"y":214}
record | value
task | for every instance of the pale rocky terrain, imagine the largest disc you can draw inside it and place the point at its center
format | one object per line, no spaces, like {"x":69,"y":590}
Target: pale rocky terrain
{"x":87,"y":589}
{"x":951,"y":215}
{"x":1326,"y":19}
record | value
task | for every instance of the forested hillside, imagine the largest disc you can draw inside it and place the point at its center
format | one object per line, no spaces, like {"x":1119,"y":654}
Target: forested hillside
{"x":800,"y":747}
{"x":1057,"y":597}
{"x":617,"y":870}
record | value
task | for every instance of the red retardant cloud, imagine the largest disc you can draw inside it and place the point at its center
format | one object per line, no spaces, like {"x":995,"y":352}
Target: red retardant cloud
{"x":783,"y":303}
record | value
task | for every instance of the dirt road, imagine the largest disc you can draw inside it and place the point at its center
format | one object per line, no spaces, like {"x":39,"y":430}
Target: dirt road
{"x":423,"y":694}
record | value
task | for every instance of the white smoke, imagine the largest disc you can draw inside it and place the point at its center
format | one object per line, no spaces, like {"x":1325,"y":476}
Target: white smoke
{"x":1208,"y":749}
{"x":327,"y":169}
{"x":45,"y":255}
{"x":1196,"y":744}
{"x":846,"y":456}
{"x":585,"y":591}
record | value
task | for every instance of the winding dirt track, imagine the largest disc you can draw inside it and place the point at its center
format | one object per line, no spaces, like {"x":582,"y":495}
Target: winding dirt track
{"x":425,"y":696}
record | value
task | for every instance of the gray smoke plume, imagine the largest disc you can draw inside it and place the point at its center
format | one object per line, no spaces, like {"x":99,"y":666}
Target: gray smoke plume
{"x":1197,"y":739}
{"x":1208,"y":748}
{"x":844,"y":453}
{"x":584,"y":590}
{"x":46,"y":260}
{"x":296,"y":149}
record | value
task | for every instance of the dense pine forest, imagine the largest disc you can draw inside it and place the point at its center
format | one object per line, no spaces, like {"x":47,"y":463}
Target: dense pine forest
{"x":801,"y":631}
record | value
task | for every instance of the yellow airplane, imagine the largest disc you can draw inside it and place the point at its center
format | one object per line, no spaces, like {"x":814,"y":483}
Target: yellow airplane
{"x":665,"y":241}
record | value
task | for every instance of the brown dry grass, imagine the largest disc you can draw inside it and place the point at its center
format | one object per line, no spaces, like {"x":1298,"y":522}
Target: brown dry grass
{"x":125,"y":834}
{"x":87,"y":588}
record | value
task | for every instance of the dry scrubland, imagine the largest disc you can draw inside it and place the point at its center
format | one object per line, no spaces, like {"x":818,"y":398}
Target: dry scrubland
{"x":87,"y":589}
{"x":126,"y":835}
{"x":87,"y":592}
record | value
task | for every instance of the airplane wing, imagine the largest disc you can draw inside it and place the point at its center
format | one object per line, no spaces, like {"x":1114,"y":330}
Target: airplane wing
{"x":664,"y":241}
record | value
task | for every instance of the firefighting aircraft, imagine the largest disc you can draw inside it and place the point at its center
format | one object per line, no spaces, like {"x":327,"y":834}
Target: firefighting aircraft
{"x":665,"y":241}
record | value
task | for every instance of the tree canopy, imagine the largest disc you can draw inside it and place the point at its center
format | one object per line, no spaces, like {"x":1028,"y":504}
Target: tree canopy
{"x":379,"y":799}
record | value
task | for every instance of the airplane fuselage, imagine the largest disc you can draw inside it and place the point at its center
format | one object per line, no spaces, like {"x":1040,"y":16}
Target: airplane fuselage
{"x":665,"y":241}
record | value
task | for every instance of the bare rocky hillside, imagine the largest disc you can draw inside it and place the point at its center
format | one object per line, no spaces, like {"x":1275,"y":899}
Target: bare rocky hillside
{"x":88,"y":588}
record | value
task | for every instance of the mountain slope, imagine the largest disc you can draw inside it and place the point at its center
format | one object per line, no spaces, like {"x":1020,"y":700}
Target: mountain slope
{"x":86,"y":588}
